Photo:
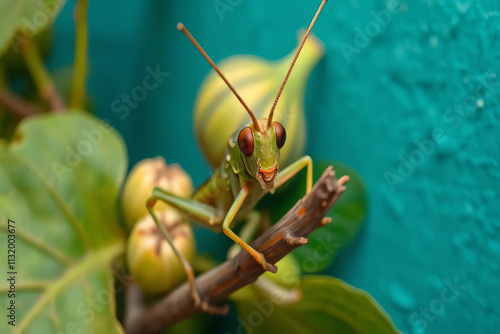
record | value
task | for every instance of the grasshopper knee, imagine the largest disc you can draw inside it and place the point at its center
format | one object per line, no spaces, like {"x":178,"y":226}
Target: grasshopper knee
{"x":150,"y":202}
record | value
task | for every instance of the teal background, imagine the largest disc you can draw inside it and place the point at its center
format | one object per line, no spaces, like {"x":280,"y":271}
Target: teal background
{"x":430,"y":75}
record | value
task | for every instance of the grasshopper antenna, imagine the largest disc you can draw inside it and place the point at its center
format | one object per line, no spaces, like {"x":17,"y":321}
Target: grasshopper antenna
{"x":271,"y":113}
{"x":182,"y":28}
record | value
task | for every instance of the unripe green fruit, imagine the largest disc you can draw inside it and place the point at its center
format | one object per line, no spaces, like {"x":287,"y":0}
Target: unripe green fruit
{"x":150,"y":259}
{"x":146,"y":175}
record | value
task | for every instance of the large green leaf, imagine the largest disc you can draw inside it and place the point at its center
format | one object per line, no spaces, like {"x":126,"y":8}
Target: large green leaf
{"x":26,"y":17}
{"x":327,"y":305}
{"x":59,"y":181}
{"x":38,"y":15}
{"x":10,"y":12}
{"x":347,"y":215}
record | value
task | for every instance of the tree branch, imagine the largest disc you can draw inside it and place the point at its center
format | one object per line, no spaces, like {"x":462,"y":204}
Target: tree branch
{"x":217,"y":284}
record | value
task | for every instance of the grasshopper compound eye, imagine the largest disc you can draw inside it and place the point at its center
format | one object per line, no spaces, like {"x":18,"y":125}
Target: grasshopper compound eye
{"x":280,"y":134}
{"x":246,"y":142}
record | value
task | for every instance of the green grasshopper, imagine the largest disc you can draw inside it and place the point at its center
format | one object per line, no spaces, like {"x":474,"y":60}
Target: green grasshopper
{"x":249,"y":171}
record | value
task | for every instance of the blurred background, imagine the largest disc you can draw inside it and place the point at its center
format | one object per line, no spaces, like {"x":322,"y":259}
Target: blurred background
{"x":409,"y":97}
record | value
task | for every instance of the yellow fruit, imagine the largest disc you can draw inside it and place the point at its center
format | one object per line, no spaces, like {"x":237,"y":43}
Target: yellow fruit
{"x":146,"y":175}
{"x":150,"y":259}
{"x":218,"y":113}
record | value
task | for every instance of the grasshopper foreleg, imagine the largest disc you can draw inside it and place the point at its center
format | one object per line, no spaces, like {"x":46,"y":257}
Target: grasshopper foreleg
{"x":238,"y":202}
{"x":247,"y":233}
{"x":290,"y":171}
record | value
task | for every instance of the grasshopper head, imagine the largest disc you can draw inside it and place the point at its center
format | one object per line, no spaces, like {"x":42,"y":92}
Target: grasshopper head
{"x":260,"y":141}
{"x":260,"y":150}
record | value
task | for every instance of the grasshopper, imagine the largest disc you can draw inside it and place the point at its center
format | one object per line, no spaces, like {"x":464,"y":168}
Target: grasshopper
{"x":249,"y":171}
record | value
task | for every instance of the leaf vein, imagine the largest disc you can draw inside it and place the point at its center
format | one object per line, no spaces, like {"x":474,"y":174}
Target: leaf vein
{"x":93,"y":261}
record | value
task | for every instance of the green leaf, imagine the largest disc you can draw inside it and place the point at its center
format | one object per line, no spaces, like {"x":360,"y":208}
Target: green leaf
{"x":327,"y":305}
{"x":347,"y":215}
{"x":59,"y":181}
{"x":38,"y":15}
{"x":10,"y":12}
{"x":27,"y":17}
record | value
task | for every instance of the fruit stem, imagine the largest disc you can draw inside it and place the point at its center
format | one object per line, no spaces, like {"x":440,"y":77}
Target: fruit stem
{"x":16,"y":105}
{"x":78,"y":88}
{"x":43,"y":82}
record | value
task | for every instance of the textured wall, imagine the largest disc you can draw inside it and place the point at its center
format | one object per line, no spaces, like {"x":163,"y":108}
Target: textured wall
{"x":408,"y":96}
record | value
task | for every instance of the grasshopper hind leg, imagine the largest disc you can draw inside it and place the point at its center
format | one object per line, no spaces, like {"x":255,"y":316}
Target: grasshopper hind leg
{"x":199,"y":302}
